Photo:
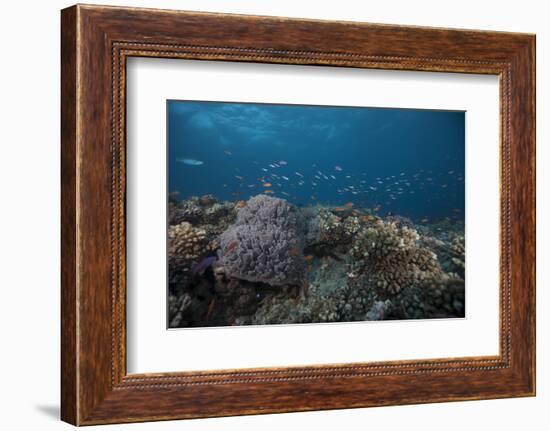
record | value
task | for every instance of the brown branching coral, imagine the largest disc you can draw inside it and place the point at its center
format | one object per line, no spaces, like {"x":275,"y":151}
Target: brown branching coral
{"x":186,"y":246}
{"x":335,"y":229}
{"x":201,"y":210}
{"x":392,"y":258}
{"x":450,"y":250}
{"x":457,"y":250}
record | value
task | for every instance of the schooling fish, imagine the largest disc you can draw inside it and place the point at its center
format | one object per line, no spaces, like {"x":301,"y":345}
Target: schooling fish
{"x":282,"y":162}
{"x":338,"y":168}
{"x":190,"y":162}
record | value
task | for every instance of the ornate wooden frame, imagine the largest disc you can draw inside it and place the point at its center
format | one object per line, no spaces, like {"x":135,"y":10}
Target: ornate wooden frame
{"x":95,"y":42}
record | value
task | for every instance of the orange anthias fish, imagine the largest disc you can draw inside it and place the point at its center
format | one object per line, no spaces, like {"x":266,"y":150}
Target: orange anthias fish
{"x":240,"y":204}
{"x":269,"y":191}
{"x":349,"y":205}
{"x":340,"y":209}
{"x":267,"y":184}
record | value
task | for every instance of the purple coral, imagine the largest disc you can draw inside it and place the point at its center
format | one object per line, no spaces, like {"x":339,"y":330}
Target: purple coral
{"x":265,"y":244}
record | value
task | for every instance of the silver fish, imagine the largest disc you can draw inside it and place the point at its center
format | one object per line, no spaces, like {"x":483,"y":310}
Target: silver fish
{"x":190,"y":162}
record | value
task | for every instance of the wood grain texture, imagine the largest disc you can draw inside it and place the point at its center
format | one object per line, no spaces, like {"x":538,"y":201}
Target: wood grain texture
{"x":96,"y":41}
{"x":69,"y":397}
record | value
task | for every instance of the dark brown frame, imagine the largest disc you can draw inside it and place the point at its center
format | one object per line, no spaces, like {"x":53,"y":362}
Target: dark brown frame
{"x":96,"y":41}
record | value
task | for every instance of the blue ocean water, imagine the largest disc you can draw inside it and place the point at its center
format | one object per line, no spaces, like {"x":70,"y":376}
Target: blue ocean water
{"x":402,"y":161}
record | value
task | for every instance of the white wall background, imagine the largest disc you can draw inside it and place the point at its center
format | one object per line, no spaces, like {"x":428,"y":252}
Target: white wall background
{"x":29,"y":216}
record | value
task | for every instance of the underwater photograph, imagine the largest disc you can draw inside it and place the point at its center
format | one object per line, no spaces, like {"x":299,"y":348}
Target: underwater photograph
{"x":287,"y":214}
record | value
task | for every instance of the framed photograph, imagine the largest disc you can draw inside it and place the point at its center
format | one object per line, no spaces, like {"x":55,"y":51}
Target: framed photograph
{"x":264,"y":215}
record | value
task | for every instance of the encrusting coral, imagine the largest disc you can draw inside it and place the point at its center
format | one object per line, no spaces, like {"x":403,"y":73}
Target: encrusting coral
{"x":265,"y":244}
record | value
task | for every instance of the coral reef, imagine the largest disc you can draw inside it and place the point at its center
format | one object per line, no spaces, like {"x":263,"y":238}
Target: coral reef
{"x":194,"y":227}
{"x":265,"y":243}
{"x":339,"y":229}
{"x":186,"y":246}
{"x":201,"y":210}
{"x":450,"y":248}
{"x":392,"y":257}
{"x":265,"y":261}
{"x":378,"y":310}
